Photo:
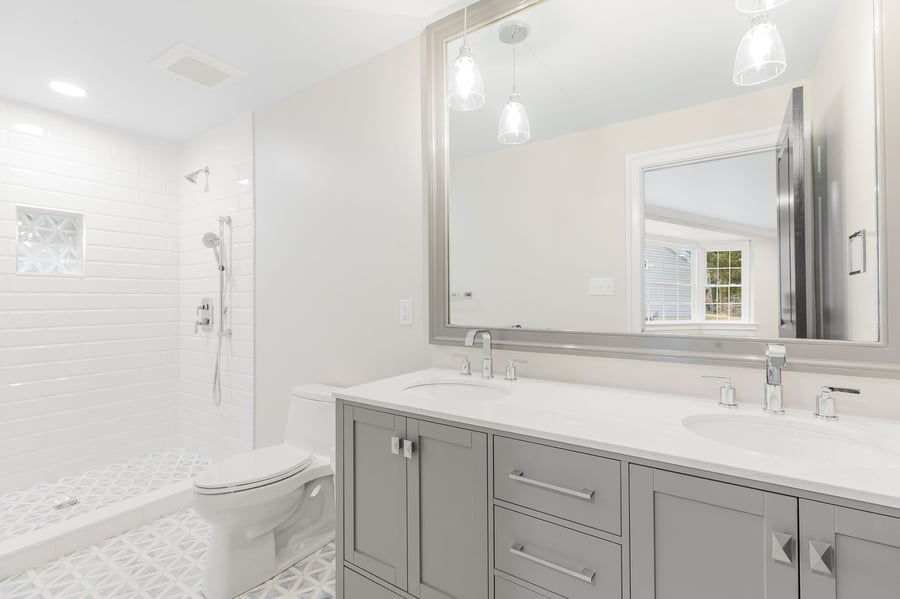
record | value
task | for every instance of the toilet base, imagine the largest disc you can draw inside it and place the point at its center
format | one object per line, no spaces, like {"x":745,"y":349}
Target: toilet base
{"x":240,"y":559}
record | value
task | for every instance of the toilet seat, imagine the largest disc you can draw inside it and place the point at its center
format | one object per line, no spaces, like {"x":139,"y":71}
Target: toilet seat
{"x":253,"y":469}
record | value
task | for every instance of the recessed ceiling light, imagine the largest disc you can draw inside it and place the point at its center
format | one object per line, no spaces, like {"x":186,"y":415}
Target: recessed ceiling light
{"x":67,"y":89}
{"x":29,"y":129}
{"x":244,"y":181}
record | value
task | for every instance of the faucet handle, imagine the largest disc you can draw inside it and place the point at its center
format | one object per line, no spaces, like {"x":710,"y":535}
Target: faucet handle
{"x":825,"y":405}
{"x":511,"y":368}
{"x":726,"y":391}
{"x":465,"y":367}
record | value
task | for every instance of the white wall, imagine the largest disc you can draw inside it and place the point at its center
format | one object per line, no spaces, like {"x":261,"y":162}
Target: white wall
{"x":530,"y":224}
{"x":88,"y":365}
{"x":340,"y":233}
{"x":216,"y":431}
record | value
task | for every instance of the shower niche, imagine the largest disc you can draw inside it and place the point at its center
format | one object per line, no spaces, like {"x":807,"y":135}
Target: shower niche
{"x":49,"y":242}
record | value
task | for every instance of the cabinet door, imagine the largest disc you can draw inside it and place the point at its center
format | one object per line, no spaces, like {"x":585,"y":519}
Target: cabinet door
{"x":375,"y":494}
{"x":848,"y":554}
{"x":695,"y":538}
{"x":448,"y":512}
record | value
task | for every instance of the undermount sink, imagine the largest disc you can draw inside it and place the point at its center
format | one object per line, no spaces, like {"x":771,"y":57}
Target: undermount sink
{"x":793,"y":440}
{"x":457,"y":389}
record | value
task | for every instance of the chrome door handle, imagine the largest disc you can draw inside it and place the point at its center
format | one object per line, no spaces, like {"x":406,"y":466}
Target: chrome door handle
{"x":584,"y":494}
{"x":782,"y":548}
{"x":821,"y":558}
{"x":584,"y":576}
{"x":395,"y":445}
{"x":407,"y":449}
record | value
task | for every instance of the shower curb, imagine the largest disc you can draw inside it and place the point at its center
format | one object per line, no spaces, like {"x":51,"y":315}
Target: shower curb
{"x":57,"y":540}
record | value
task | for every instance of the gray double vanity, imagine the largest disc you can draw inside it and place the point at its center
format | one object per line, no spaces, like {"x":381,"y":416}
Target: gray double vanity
{"x":459,"y":487}
{"x":688,"y":182}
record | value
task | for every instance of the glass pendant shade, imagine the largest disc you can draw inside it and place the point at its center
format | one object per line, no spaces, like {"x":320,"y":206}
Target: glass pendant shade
{"x":514,"y":125}
{"x":760,"y":56}
{"x":755,"y":6}
{"x":465,"y":87}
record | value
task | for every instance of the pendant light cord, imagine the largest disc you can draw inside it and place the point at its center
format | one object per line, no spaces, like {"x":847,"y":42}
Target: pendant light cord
{"x":514,"y":70}
{"x":466,"y":26}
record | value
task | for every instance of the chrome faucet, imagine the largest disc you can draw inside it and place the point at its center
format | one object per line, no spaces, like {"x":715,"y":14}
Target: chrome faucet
{"x":487,"y":359}
{"x":776,"y":360}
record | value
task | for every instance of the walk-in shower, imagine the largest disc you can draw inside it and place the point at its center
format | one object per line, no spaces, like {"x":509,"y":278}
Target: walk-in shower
{"x":217,"y":244}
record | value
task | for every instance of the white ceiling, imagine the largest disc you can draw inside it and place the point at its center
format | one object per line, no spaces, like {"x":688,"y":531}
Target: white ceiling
{"x":740,"y":190}
{"x":106,"y":47}
{"x":591,"y":63}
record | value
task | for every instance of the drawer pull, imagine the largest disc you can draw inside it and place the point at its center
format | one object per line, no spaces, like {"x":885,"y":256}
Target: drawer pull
{"x":585,"y":494}
{"x":584,"y":576}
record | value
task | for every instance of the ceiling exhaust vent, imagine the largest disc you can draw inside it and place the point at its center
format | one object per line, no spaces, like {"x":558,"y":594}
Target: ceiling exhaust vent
{"x":193,"y":65}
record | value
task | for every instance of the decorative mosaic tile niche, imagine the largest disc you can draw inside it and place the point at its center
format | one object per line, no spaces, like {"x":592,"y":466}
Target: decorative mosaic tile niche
{"x":49,"y":242}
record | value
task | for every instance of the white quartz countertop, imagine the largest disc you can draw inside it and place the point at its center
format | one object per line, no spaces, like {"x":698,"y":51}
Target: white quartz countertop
{"x":649,"y":426}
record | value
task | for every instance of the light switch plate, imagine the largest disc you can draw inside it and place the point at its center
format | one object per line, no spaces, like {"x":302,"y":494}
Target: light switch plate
{"x":601,"y":286}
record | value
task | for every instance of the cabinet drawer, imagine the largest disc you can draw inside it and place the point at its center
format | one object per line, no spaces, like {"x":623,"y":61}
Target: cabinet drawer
{"x":561,"y":560}
{"x":575,"y":486}
{"x":504,"y":589}
{"x":359,"y":587}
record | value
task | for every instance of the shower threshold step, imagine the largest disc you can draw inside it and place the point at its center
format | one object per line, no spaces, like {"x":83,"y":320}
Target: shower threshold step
{"x":31,"y":549}
{"x":52,"y":519}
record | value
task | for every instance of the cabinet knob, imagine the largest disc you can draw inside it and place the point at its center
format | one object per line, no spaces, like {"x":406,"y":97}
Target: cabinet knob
{"x":395,"y":445}
{"x":407,"y":449}
{"x":821,"y":558}
{"x":782,"y":548}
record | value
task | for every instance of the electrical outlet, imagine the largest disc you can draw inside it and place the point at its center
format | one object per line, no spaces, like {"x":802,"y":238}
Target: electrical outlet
{"x":406,"y":314}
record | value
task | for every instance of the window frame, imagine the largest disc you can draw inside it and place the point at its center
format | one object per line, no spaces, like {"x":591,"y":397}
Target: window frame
{"x":699,"y":250}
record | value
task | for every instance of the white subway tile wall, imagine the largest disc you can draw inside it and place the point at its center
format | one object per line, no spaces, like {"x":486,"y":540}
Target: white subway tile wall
{"x":91,"y":367}
{"x":88,"y":365}
{"x":205,"y":428}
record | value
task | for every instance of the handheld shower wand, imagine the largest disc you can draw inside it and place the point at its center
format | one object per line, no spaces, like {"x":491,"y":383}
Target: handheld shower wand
{"x":211,"y":240}
{"x":215,"y":242}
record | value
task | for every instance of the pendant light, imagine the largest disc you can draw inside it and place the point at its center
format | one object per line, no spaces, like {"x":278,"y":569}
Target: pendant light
{"x":514,"y":125}
{"x":761,"y":56}
{"x":755,"y":6}
{"x":465,"y":87}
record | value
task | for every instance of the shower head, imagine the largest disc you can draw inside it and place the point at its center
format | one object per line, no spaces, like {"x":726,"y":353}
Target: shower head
{"x":211,"y":240}
{"x":192,"y":176}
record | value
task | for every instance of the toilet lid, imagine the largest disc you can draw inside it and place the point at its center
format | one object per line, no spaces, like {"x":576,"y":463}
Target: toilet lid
{"x":257,"y":466}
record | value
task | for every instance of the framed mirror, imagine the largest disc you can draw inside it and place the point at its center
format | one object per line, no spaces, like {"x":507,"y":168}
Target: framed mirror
{"x":662,"y":180}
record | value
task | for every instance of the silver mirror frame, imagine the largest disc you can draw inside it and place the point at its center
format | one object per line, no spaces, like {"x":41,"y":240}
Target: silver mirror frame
{"x":881,"y":359}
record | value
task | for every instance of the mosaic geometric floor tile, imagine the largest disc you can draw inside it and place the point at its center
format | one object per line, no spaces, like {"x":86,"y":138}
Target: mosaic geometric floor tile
{"x":32,"y":509}
{"x":160,"y":560}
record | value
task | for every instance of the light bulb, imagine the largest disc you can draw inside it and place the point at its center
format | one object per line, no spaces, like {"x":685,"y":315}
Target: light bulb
{"x":514,"y":125}
{"x":761,"y":56}
{"x":760,"y":44}
{"x":466,"y":87}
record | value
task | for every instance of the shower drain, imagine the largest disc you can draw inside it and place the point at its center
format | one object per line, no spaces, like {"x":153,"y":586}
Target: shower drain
{"x":64,"y":503}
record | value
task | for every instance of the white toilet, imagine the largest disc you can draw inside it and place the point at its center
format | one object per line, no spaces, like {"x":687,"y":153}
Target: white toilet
{"x":271,"y":507}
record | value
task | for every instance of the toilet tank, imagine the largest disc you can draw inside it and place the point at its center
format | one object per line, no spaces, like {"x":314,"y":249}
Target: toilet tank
{"x":311,"y":419}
